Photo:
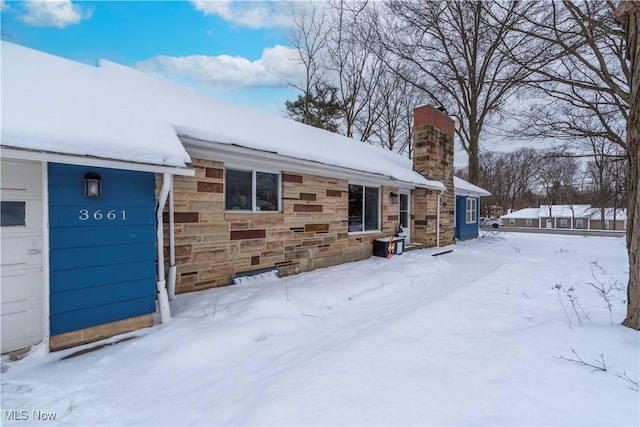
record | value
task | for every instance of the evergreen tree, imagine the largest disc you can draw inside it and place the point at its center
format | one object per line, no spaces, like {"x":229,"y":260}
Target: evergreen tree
{"x":319,"y":108}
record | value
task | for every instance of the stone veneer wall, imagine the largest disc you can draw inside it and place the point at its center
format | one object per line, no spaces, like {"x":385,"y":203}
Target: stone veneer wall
{"x":310,"y":232}
{"x":433,"y":158}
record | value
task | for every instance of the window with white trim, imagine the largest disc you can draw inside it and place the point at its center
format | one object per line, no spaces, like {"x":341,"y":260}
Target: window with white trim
{"x":512,"y":221}
{"x":364,"y":208}
{"x":564,"y":223}
{"x":472,"y":205}
{"x":579,"y":223}
{"x":529,"y":221}
{"x":251,"y":191}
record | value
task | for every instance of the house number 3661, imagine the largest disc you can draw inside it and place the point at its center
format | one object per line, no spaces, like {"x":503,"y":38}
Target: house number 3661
{"x":100,"y":215}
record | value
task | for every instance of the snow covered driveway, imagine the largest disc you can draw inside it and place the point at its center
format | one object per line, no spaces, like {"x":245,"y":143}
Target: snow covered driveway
{"x":467,"y":338}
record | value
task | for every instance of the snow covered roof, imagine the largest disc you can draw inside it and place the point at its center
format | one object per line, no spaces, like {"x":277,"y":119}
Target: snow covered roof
{"x":565,"y":211}
{"x":463,"y":187}
{"x":115,"y":112}
{"x":523,"y":213}
{"x":55,"y":105}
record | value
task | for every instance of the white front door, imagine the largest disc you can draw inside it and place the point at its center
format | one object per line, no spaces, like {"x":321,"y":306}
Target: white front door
{"x":21,"y":254}
{"x":549,"y":223}
{"x":404,"y":215}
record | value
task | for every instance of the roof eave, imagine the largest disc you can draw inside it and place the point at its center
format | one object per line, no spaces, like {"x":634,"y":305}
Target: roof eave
{"x":462,"y":192}
{"x":85,"y":160}
{"x":235,"y":154}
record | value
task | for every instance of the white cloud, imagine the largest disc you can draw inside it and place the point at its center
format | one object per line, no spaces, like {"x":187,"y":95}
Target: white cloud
{"x":252,"y":14}
{"x":49,"y":13}
{"x":276,"y":67}
{"x":4,"y":6}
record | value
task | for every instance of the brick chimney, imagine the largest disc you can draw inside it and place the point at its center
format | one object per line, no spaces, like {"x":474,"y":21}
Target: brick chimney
{"x":433,"y":134}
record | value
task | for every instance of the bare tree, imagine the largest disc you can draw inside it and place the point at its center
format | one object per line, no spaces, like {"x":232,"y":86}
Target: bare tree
{"x":511,"y":178}
{"x":605,"y":173}
{"x":336,"y":44}
{"x":309,"y":37}
{"x":394,"y":127}
{"x":493,"y":178}
{"x":451,"y":50}
{"x":556,"y":177}
{"x":628,"y":14}
{"x":584,"y":69}
{"x":578,"y":85}
{"x":353,"y":67}
{"x":523,"y":167}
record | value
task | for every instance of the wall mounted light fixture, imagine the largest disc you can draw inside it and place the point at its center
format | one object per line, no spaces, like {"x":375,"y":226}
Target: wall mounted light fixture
{"x":92,"y":185}
{"x":394,"y":197}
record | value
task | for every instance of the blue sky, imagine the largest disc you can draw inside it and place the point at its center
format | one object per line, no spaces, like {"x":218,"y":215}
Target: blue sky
{"x":234,"y":50}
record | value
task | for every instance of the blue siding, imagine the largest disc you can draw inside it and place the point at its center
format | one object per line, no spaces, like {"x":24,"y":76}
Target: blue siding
{"x":84,"y":298}
{"x":100,"y":315}
{"x":105,"y":235}
{"x":95,"y":256}
{"x":102,"y":275}
{"x":463,"y":230}
{"x":102,"y":250}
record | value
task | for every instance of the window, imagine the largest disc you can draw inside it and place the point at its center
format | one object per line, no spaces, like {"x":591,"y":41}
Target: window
{"x":12,"y":214}
{"x":471,"y":210}
{"x":254,"y":191}
{"x":512,"y":221}
{"x":529,"y":222}
{"x":564,"y":223}
{"x":364,"y":208}
{"x":606,"y":224}
{"x":579,"y":223}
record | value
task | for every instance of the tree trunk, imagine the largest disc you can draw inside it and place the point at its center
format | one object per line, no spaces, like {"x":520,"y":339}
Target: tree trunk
{"x":633,"y":223}
{"x":628,"y":14}
{"x":474,"y":155}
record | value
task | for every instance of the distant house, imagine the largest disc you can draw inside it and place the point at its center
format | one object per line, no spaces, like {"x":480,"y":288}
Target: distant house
{"x":528,"y":217}
{"x":117,"y":186}
{"x":467,"y":208}
{"x":575,"y":217}
{"x":565,"y":216}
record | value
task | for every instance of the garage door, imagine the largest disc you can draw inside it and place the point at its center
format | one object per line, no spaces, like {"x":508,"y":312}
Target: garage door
{"x":21,"y":254}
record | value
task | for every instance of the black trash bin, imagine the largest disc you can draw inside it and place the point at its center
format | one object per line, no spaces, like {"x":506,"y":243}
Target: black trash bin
{"x":381,"y":246}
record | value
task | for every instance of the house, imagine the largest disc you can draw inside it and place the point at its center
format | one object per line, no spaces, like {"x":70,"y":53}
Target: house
{"x":565,"y":216}
{"x":120,"y":188}
{"x":282,"y":194}
{"x":527,"y":217}
{"x":467,"y":208}
{"x":78,"y":204}
{"x":576,"y":217}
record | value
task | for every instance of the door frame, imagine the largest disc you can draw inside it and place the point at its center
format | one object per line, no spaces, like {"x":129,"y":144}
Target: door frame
{"x":407,"y":233}
{"x":45,"y":259}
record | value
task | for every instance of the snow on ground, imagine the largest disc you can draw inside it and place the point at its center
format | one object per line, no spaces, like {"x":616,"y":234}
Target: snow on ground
{"x":467,"y":338}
